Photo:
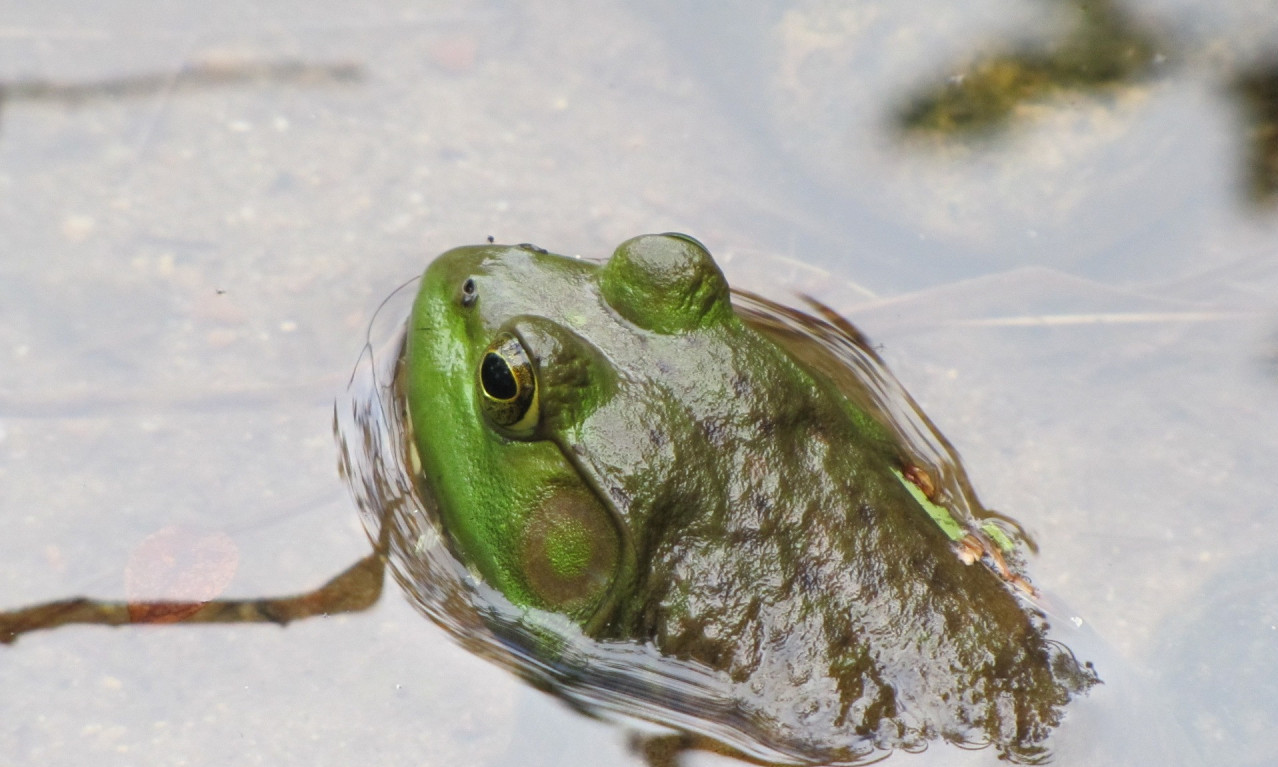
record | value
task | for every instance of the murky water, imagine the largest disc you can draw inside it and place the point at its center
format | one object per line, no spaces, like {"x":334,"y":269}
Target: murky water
{"x":201,"y":207}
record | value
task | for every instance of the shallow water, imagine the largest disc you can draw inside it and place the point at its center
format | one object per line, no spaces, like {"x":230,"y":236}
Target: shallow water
{"x":1084,"y":303}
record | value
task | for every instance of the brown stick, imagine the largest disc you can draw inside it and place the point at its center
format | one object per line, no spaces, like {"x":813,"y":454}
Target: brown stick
{"x":356,"y":588}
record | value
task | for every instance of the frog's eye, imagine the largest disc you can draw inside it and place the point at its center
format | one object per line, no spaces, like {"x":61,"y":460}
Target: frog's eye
{"x":508,"y":386}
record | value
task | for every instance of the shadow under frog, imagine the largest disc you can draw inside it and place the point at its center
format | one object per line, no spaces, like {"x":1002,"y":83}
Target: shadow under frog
{"x":659,"y":499}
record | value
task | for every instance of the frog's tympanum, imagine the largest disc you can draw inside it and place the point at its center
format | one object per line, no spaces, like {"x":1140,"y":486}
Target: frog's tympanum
{"x":614,"y":443}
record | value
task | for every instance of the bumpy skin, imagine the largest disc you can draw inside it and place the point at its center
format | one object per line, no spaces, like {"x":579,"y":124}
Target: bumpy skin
{"x":681,"y":480}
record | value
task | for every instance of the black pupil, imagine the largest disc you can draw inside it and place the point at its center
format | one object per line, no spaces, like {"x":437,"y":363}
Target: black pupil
{"x":498,"y":381}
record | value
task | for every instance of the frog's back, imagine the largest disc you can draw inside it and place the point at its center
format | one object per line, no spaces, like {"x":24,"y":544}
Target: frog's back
{"x":813,"y":578}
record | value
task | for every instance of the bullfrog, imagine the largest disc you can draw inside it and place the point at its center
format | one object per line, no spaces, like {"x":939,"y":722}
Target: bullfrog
{"x":659,"y":498}
{"x":619,"y":444}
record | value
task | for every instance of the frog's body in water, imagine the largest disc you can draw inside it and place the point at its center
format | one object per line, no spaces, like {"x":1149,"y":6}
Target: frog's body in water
{"x":613,"y":442}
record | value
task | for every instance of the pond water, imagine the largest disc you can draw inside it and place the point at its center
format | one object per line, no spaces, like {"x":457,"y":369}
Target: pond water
{"x":202,"y":206}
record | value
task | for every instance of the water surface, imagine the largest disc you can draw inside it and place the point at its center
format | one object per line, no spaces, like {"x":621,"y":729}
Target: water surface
{"x":201,"y":207}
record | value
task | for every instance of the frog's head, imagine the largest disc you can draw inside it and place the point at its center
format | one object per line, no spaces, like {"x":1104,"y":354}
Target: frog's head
{"x":540,"y":416}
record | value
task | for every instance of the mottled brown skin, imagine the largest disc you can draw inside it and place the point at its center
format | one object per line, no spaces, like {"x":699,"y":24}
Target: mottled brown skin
{"x":751,"y":567}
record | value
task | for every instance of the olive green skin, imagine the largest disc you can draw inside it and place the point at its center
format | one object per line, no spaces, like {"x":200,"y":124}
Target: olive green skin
{"x":685,"y":482}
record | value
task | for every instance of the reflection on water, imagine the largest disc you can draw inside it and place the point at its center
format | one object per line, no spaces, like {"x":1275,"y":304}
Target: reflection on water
{"x":1105,"y":49}
{"x":1257,"y":90}
{"x":193,"y":77}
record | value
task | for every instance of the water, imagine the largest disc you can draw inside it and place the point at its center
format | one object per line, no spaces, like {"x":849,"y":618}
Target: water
{"x":1083,"y":303}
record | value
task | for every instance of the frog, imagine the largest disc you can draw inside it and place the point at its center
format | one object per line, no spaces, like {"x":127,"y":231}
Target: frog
{"x":618,"y":443}
{"x":690,"y":507}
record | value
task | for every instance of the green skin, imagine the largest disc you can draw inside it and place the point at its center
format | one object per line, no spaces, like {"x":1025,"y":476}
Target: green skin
{"x":613,"y":443}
